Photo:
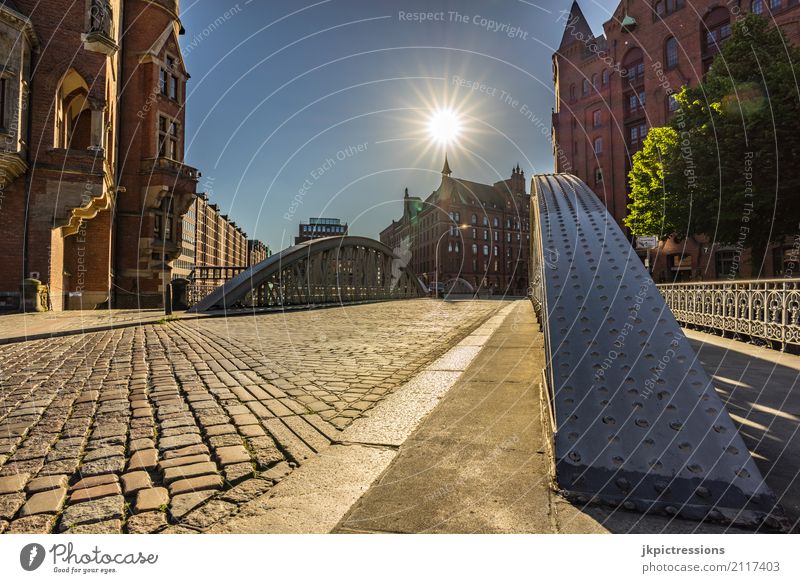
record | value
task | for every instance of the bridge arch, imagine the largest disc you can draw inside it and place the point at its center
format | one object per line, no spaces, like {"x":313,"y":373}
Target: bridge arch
{"x":322,"y":271}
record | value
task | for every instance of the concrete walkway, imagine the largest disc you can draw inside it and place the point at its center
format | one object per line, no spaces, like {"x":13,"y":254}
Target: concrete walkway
{"x":761,"y":388}
{"x":478,"y":462}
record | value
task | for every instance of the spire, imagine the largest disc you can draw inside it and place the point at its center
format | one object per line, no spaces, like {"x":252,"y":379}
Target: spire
{"x":406,"y":195}
{"x":446,"y":169}
{"x":576,"y":27}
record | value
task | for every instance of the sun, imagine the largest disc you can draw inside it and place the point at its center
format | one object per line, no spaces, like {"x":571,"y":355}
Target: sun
{"x":444,"y":126}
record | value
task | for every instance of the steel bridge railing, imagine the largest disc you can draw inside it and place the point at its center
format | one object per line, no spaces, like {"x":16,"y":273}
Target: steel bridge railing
{"x":332,"y":270}
{"x":765,"y":309}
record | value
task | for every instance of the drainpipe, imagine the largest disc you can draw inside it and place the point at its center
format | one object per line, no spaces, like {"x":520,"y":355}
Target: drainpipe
{"x":28,"y":175}
{"x":117,"y":160}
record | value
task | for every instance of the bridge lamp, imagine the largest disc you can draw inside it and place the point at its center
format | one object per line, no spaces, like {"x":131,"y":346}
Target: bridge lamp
{"x":444,"y":126}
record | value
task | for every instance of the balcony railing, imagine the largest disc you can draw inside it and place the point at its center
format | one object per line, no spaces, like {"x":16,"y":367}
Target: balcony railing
{"x":765,"y":309}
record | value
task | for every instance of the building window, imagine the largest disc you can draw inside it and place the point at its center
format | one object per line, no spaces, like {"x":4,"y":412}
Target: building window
{"x":168,"y":138}
{"x":595,"y":81}
{"x":596,"y":118}
{"x":572,"y":96}
{"x":495,"y":222}
{"x":636,"y":134}
{"x":474,"y":219}
{"x":774,"y":4}
{"x":162,"y":226}
{"x":485,"y":221}
{"x":717,"y":25}
{"x":168,"y":81}
{"x":598,"y":175}
{"x":636,"y":102}
{"x":724,"y":263}
{"x":485,"y":235}
{"x":474,"y":249}
{"x":598,"y":145}
{"x":605,"y":77}
{"x":633,"y":64}
{"x":671,"y":52}
{"x":486,"y":250}
{"x":672,"y":105}
{"x":757,"y":7}
{"x":585,"y":87}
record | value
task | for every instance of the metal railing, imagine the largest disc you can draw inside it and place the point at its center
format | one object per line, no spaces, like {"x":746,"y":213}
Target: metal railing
{"x":317,"y":272}
{"x":765,"y":309}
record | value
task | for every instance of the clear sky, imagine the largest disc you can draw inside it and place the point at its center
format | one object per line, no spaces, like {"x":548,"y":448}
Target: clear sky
{"x":300,"y":109}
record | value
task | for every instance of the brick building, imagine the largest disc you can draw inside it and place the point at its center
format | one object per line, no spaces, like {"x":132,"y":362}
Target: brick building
{"x":218,"y":240}
{"x":92,"y":183}
{"x":317,"y":228}
{"x":257,"y":251}
{"x":467,"y":236}
{"x":610,"y":89}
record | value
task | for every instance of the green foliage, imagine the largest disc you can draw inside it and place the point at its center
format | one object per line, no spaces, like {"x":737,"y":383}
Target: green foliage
{"x":726,"y":165}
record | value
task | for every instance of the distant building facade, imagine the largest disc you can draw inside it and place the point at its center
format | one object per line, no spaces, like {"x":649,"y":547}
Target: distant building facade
{"x":258,"y":251}
{"x":466,"y":236}
{"x":218,"y":240}
{"x":319,"y":227}
{"x":611,"y":89}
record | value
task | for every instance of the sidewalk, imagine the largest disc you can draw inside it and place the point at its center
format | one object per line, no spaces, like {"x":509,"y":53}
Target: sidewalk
{"x":478,"y":462}
{"x":761,"y":389}
{"x":20,"y":327}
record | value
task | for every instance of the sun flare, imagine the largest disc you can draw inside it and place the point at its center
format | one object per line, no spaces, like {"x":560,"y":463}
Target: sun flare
{"x":444,"y":126}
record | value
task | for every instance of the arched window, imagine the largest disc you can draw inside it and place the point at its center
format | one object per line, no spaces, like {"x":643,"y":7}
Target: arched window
{"x":757,"y":6}
{"x":586,"y":87}
{"x":671,"y":52}
{"x":73,"y":116}
{"x":716,"y":29}
{"x":495,"y":222}
{"x":572,"y":92}
{"x":474,"y":219}
{"x":595,"y":81}
{"x":633,"y":65}
{"x":660,"y":8}
{"x":774,"y":4}
{"x":598,"y":145}
{"x":605,"y":77}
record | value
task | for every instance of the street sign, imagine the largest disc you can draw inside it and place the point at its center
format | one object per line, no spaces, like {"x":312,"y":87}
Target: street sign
{"x":649,"y":242}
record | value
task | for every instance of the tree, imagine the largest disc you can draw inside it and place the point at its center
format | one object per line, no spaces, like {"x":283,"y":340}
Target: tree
{"x":725,"y":167}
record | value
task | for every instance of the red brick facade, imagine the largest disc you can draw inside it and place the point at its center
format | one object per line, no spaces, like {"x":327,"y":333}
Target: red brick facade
{"x":467,"y":237}
{"x":610,"y":89}
{"x":82,"y":174}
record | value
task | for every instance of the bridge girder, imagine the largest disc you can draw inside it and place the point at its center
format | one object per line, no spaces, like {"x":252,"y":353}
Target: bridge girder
{"x":636,"y":419}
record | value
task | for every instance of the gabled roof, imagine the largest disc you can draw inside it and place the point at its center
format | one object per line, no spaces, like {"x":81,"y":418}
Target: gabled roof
{"x":576,"y":25}
{"x":468,"y":192}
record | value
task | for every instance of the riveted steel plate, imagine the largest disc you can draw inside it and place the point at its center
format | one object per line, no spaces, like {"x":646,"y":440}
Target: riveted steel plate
{"x":637,"y":420}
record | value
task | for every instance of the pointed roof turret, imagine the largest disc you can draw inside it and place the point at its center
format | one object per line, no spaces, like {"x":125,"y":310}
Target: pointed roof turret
{"x":446,"y":169}
{"x":406,"y":194}
{"x":576,"y":25}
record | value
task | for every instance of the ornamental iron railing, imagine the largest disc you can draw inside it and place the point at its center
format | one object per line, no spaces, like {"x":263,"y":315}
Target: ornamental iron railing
{"x":764,"y":309}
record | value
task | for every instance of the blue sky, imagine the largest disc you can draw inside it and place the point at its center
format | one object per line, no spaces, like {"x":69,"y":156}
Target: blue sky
{"x":303,"y":109}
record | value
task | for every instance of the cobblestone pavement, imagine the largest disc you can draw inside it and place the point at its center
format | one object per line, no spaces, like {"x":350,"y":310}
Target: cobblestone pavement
{"x":170,"y":427}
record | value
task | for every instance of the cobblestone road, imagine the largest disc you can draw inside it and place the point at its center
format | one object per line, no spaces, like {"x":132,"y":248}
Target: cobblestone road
{"x":171,"y":427}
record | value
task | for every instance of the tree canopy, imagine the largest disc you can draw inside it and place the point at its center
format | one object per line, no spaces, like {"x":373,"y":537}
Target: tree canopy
{"x":726,"y":166}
